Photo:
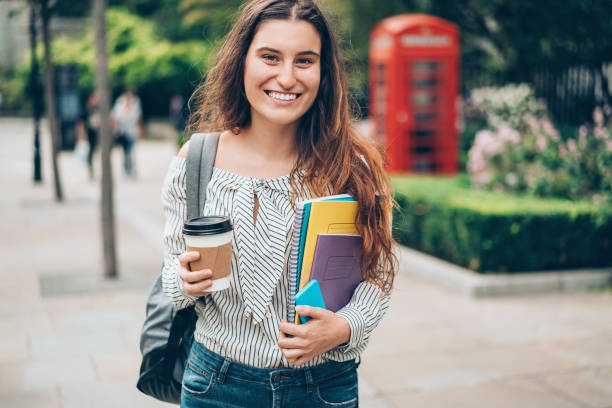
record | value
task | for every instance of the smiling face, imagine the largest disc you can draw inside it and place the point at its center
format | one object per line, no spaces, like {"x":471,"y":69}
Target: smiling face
{"x":282,"y":71}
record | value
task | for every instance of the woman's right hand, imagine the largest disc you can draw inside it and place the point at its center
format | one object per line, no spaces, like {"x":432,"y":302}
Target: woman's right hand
{"x":195,"y":283}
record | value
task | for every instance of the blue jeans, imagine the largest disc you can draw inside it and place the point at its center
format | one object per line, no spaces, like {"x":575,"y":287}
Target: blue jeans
{"x":211,"y":380}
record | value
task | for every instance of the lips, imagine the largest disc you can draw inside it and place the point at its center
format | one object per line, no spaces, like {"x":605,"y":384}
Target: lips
{"x":283,"y":96}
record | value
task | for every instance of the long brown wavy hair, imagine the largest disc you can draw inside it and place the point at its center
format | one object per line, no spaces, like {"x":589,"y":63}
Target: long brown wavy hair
{"x":334,"y":158}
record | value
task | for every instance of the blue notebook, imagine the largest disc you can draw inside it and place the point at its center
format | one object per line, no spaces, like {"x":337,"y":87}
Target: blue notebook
{"x":310,"y":295}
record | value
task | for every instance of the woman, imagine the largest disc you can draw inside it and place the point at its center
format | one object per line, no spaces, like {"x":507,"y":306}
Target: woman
{"x":278,"y":94}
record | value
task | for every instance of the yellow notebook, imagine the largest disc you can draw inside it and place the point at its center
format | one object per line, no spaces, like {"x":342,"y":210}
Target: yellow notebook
{"x":326,"y":217}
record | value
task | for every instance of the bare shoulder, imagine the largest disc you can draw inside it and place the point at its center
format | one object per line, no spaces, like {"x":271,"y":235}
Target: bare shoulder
{"x":183,"y":152}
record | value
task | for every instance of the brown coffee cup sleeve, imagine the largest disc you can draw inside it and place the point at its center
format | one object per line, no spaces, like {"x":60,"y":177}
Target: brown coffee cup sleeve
{"x":218,"y":259}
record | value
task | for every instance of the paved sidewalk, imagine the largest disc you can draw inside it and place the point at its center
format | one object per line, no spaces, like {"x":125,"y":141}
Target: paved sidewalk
{"x":70,"y":339}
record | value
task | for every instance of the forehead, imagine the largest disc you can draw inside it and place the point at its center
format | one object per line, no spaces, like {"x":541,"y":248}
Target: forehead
{"x":287,"y":35}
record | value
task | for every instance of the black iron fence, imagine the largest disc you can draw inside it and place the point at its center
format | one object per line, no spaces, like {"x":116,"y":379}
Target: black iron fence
{"x":570,"y":94}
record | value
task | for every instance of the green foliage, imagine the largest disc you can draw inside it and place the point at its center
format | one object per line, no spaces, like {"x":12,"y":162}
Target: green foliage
{"x":138,"y":58}
{"x":14,"y":99}
{"x":498,"y":232}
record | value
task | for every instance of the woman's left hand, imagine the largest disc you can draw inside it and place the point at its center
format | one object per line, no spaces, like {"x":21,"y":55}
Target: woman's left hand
{"x":324,"y":331}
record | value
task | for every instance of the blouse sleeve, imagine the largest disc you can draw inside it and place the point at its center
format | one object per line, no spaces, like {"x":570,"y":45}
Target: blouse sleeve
{"x":364,"y":312}
{"x":174,"y":206}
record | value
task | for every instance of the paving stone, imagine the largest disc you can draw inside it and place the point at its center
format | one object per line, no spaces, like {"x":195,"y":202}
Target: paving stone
{"x":117,"y":366}
{"x":68,"y":343}
{"x":500,"y":394}
{"x":46,"y":373}
{"x":107,"y":395}
{"x":13,"y":348}
{"x":593,"y":351}
{"x":11,"y":377}
{"x":47,"y":398}
{"x":592,"y":387}
{"x":426,"y":371}
{"x":422,"y":338}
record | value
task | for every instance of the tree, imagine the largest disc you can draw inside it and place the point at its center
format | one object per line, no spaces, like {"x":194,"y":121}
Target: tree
{"x":45,"y":12}
{"x":103,"y":90}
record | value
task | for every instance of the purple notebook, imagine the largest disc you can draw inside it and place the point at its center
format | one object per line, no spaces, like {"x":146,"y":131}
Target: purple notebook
{"x":336,"y":267}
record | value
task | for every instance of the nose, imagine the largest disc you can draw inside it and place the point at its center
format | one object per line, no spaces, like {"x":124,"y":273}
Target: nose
{"x":286,"y":77}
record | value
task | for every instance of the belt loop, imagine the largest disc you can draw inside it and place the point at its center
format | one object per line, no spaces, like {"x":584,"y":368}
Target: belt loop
{"x":223,"y":370}
{"x":309,"y":381}
{"x":357,"y":361}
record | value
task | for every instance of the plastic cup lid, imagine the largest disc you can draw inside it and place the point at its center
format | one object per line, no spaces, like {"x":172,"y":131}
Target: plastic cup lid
{"x":209,"y":225}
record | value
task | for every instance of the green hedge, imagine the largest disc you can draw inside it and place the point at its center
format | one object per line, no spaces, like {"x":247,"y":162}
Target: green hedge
{"x":498,"y":232}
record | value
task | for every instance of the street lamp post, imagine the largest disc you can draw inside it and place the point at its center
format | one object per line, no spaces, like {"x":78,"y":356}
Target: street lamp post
{"x":35,"y":94}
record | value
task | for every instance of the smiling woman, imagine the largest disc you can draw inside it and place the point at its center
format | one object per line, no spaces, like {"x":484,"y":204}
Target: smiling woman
{"x":278,"y":97}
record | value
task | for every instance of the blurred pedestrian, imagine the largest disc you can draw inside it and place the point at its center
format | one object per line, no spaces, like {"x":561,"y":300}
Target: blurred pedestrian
{"x":177,"y":113}
{"x":279,"y":97}
{"x":178,"y":117}
{"x":127,"y":126}
{"x":87,"y":132}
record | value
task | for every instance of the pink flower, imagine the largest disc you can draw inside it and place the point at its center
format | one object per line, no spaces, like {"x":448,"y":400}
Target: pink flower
{"x":533,"y":123}
{"x":598,"y":116}
{"x":487,"y":142}
{"x":600,"y":132}
{"x":562,"y":151}
{"x":541,"y":143}
{"x":550,"y":129}
{"x":511,"y":179}
{"x":609,"y":145}
{"x":571,"y":146}
{"x":506,"y":133}
{"x":582,"y":135}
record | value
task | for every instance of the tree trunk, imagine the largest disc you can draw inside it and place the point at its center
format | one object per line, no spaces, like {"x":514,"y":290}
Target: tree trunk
{"x":103,"y":90}
{"x":50,"y":99}
{"x":34,"y":90}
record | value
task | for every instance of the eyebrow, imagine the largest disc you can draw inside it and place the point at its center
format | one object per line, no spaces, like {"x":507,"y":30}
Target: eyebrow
{"x":278,"y":52}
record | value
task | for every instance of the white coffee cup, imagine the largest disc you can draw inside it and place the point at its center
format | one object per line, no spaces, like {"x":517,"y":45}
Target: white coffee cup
{"x":211,"y":236}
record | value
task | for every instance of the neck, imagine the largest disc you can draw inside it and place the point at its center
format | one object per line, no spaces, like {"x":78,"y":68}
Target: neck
{"x":272,"y":141}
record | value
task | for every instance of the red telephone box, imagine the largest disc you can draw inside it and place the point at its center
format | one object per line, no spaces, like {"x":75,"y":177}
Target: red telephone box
{"x":414,"y":74}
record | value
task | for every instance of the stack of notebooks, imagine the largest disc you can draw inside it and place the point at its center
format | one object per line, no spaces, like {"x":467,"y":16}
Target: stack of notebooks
{"x":325,"y":247}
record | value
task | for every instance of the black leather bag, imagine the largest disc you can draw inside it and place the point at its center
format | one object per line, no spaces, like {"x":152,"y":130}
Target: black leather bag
{"x":167,"y":333}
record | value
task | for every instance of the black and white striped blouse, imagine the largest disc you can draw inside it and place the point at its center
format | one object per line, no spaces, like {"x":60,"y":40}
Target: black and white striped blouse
{"x":242,"y":322}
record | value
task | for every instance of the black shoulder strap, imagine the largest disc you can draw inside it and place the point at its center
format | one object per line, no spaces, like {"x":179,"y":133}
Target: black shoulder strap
{"x":199,"y":167}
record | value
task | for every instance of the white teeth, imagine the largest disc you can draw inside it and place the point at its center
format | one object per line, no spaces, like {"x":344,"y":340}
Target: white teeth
{"x":283,"y":97}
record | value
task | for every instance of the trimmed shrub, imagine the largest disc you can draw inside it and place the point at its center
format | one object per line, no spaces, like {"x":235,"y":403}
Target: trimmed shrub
{"x":494,"y":232}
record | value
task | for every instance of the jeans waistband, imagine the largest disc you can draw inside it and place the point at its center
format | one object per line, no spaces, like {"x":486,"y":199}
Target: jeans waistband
{"x":308,"y":375}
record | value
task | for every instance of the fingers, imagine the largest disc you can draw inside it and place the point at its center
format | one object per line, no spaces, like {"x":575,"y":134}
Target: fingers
{"x":197,"y":289}
{"x":196,"y":283}
{"x":314,"y":312}
{"x":187,"y":257}
{"x":285,"y":342}
{"x":291,"y":329}
{"x":195,"y":276}
{"x":292,"y":354}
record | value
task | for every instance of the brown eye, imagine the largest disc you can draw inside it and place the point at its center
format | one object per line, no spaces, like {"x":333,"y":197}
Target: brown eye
{"x":269,"y":58}
{"x":304,"y":61}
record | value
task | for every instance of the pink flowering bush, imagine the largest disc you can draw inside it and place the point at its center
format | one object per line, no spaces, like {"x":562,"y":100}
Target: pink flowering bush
{"x":520,"y":149}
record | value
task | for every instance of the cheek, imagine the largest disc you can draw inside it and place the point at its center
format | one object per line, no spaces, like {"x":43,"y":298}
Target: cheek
{"x":254,"y":75}
{"x":314,"y":81}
